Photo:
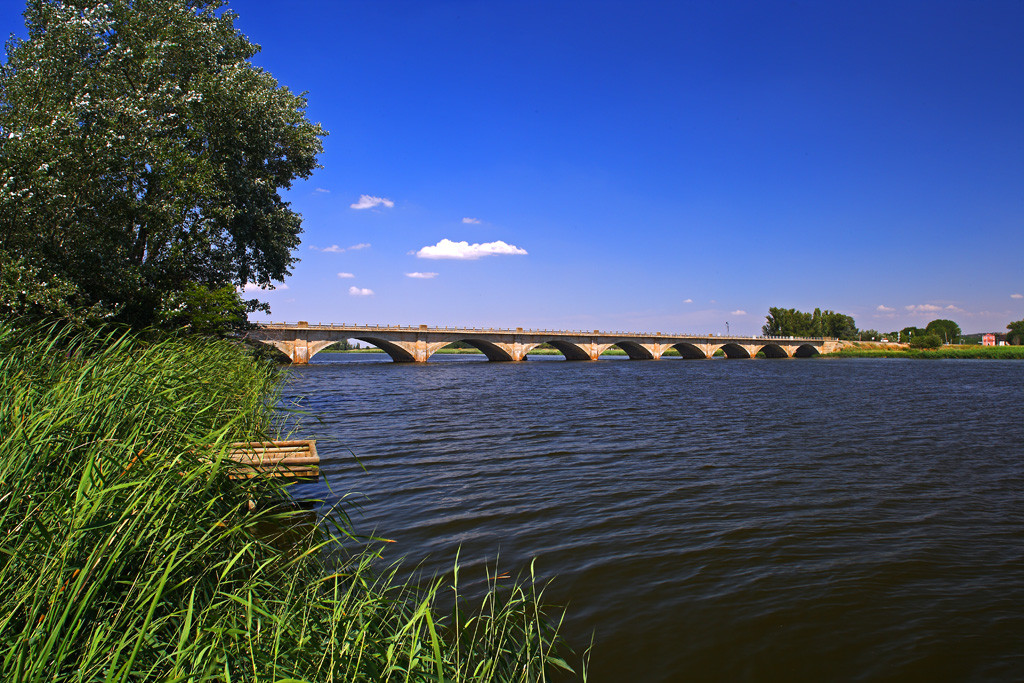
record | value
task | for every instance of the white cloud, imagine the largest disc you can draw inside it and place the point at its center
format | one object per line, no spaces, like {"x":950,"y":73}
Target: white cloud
{"x":253,"y":287}
{"x":335,"y":249}
{"x":369,"y":202}
{"x":345,"y":276}
{"x":737,"y":312}
{"x":360,"y":291}
{"x":471,"y":221}
{"x":884,"y":309}
{"x":466,"y":251}
{"x":923,"y":308}
{"x":954,"y":309}
{"x":687,"y":301}
{"x":320,"y":189}
{"x":1017,"y":296}
{"x":421,"y":276}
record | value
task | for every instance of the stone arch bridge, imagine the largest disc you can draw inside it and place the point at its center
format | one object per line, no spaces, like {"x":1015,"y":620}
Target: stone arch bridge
{"x":408,"y":344}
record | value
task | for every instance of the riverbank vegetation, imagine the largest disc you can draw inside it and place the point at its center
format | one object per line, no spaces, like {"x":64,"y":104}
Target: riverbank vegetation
{"x":129,"y":555}
{"x":952,"y":351}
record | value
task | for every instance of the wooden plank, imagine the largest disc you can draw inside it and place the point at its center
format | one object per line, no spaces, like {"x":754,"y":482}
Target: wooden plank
{"x":292,"y":459}
{"x":306,"y":460}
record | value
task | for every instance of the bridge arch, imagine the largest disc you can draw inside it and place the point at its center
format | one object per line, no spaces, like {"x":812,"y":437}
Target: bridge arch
{"x":689,"y":351}
{"x":492,"y":351}
{"x":805,"y":351}
{"x":772,"y":350}
{"x":397,"y":352}
{"x":635,"y":350}
{"x":568,"y":349}
{"x":734,"y":350}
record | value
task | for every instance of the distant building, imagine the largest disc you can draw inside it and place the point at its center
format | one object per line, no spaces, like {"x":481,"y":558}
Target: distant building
{"x":988,"y":339}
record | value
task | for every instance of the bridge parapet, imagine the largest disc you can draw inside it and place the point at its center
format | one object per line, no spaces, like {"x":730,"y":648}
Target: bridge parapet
{"x":300,"y":341}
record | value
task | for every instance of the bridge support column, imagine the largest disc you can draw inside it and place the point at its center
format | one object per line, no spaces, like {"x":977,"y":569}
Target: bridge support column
{"x":420,"y":351}
{"x":656,"y":350}
{"x":299,"y":350}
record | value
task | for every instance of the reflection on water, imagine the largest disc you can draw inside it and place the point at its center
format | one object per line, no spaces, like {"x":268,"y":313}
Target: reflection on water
{"x":711,"y":520}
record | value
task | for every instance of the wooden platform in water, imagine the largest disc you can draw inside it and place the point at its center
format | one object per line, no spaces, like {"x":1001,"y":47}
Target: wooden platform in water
{"x":290,"y":459}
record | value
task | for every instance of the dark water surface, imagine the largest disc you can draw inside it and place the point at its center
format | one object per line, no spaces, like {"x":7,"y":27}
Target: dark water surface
{"x":791,"y":520}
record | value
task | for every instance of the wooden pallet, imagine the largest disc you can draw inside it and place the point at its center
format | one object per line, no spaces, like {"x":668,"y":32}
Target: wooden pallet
{"x":292,"y":459}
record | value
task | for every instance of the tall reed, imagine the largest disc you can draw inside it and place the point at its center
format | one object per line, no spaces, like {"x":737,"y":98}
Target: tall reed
{"x":128,"y":554}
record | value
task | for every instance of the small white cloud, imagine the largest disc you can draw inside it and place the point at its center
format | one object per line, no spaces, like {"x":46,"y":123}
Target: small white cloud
{"x":923,"y":308}
{"x":737,"y":312}
{"x":884,"y":309}
{"x":1017,"y":296}
{"x":369,"y":202}
{"x":335,"y":249}
{"x":687,"y":301}
{"x":345,"y":276}
{"x":955,"y":309}
{"x":422,"y":276}
{"x":320,"y":189}
{"x":360,"y":291}
{"x":253,"y":287}
{"x":446,"y":249}
{"x":471,"y":221}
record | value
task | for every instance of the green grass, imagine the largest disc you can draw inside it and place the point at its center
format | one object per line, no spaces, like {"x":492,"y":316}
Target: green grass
{"x":965,"y":351}
{"x":126,"y":553}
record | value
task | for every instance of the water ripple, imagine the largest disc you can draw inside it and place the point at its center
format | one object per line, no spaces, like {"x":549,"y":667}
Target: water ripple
{"x":711,"y":520}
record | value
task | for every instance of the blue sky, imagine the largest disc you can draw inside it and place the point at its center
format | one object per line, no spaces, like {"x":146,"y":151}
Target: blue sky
{"x":665,"y":166}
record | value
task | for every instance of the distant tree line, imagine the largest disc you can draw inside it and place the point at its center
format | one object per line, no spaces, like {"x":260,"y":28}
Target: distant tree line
{"x":789,"y":322}
{"x":786,"y":322}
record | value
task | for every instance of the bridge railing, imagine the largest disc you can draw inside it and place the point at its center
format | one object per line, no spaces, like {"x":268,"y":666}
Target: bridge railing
{"x":497,"y":330}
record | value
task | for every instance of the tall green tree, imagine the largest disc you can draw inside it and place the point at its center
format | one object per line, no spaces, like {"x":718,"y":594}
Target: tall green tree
{"x":784,"y":322}
{"x":946,"y":330}
{"x":1015,"y":333}
{"x":142,"y":155}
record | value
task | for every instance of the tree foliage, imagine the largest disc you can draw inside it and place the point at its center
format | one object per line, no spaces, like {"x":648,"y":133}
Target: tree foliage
{"x":785,"y":322}
{"x":1015,"y":334}
{"x":946,"y":330}
{"x":908,"y":333}
{"x":926,"y":341}
{"x":142,"y":155}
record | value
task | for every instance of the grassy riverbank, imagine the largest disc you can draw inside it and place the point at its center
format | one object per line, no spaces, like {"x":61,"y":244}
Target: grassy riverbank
{"x":959,"y":351}
{"x":129,"y":555}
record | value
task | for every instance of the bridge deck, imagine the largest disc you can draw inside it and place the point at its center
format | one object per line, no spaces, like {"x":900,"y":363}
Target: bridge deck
{"x":408,"y":343}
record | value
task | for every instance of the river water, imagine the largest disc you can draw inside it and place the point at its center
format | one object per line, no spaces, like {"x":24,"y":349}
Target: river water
{"x":714,"y":520}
